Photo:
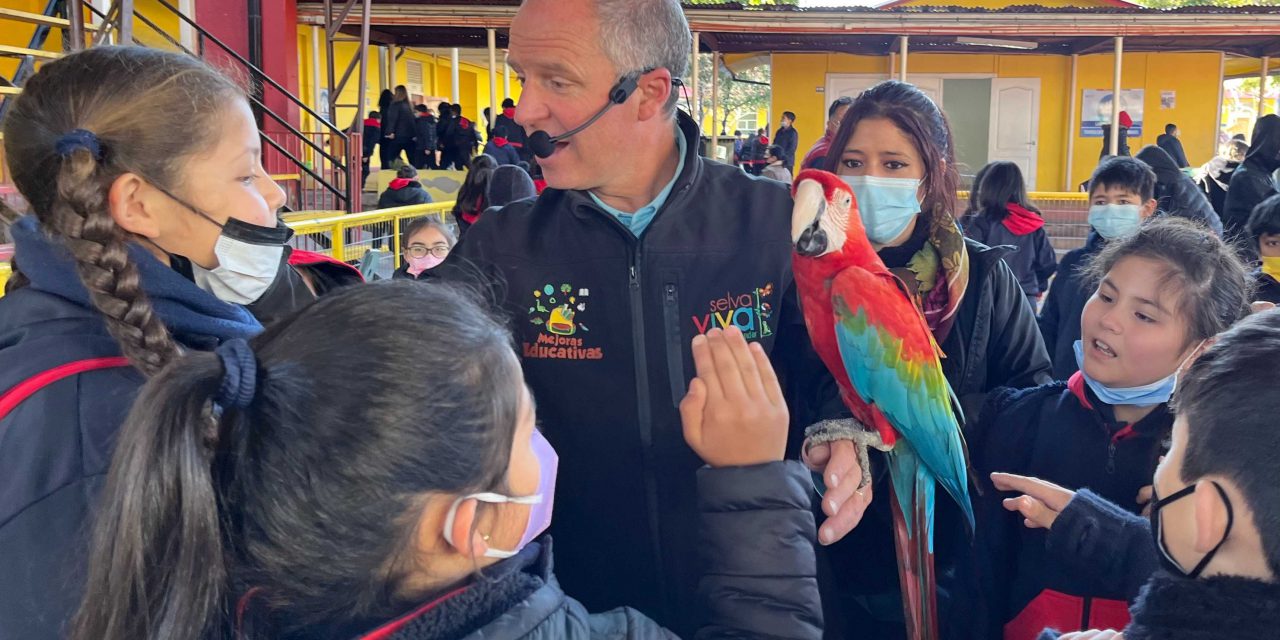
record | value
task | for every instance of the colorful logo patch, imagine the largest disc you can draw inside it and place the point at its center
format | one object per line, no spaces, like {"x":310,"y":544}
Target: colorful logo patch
{"x":749,"y":312}
{"x":557,"y":311}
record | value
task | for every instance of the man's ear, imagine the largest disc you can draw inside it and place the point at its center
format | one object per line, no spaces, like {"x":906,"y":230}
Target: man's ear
{"x":133,"y":205}
{"x":654,"y":89}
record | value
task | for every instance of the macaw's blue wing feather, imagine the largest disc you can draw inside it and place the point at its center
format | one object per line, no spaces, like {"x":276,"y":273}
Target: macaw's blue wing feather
{"x":901,"y":375}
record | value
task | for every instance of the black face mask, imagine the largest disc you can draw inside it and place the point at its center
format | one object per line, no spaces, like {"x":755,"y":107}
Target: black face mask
{"x":1166,"y":558}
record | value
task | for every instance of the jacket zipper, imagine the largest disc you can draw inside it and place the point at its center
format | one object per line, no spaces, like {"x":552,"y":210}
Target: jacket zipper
{"x":644,"y":416}
{"x":1112,"y":444}
{"x":675,"y":358}
{"x":1086,"y":614}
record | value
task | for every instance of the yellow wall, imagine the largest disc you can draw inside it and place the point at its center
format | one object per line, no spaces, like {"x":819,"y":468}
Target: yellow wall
{"x":1192,"y":75}
{"x":797,"y":76}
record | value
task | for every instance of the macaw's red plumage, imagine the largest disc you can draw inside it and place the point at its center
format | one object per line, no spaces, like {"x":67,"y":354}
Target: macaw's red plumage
{"x":879,"y":348}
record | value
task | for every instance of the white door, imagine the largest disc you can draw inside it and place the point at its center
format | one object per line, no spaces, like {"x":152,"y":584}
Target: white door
{"x":1015,"y":124}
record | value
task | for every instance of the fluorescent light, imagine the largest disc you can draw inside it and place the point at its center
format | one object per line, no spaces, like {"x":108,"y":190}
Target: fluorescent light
{"x":992,"y":42}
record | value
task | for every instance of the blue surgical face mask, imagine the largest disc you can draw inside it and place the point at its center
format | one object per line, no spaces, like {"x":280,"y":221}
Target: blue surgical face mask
{"x":1147,"y":395}
{"x":1115,"y":220}
{"x":886,"y":205}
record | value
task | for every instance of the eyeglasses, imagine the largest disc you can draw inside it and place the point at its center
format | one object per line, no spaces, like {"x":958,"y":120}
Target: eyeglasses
{"x":420,"y":251}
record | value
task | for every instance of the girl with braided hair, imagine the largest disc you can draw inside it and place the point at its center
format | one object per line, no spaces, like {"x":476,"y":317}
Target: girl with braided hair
{"x":141,"y":245}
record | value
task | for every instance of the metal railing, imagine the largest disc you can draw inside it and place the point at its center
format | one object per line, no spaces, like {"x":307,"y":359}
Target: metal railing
{"x":53,"y":9}
{"x":348,"y":237}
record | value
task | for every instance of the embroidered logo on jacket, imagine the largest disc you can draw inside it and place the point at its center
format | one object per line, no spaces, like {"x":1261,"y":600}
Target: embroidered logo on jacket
{"x":557,"y":311}
{"x":749,"y":312}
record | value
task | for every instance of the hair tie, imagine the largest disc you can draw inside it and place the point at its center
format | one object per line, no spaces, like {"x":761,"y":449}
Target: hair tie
{"x":77,"y":139}
{"x":239,"y":375}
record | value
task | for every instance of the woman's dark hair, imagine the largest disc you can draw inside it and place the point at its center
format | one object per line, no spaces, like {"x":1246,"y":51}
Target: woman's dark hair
{"x":1214,"y":288}
{"x":402,"y":93}
{"x":777,"y":153}
{"x":909,"y":109}
{"x":426,"y":222}
{"x":1231,"y":420}
{"x":384,"y":100}
{"x":407,"y":171}
{"x":1002,"y":184}
{"x":471,"y":194}
{"x":303,"y":507}
{"x":68,"y":193}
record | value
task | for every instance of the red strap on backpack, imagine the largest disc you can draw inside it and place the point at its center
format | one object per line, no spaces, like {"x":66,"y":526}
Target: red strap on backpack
{"x":13,"y":397}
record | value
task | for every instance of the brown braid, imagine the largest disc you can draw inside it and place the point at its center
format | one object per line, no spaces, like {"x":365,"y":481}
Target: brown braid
{"x":136,"y":116}
{"x":79,"y":217}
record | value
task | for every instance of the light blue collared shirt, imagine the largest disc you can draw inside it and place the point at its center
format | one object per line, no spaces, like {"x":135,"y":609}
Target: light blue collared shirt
{"x":638,"y":221}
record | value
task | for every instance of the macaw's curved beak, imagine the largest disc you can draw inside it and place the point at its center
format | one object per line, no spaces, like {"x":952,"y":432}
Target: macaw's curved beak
{"x":806,"y":231}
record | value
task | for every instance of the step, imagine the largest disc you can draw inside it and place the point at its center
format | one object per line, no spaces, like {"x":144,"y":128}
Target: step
{"x":34,"y":18}
{"x":19,"y":52}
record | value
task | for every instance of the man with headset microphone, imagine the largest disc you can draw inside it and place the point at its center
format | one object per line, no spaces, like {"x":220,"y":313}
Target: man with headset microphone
{"x":637,"y":246}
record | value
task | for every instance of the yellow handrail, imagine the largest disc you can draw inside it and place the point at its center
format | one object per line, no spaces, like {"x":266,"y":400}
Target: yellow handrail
{"x":336,"y":223}
{"x":4,"y":276}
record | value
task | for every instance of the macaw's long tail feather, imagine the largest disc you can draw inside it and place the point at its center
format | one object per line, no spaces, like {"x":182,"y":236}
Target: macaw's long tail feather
{"x":913,"y":541}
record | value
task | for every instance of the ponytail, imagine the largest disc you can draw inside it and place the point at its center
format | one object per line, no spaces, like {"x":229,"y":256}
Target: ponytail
{"x":158,"y":564}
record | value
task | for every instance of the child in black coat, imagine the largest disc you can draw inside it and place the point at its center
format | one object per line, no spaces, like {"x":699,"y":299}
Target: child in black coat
{"x":1264,"y":228}
{"x":1216,"y":554}
{"x":1162,"y":293}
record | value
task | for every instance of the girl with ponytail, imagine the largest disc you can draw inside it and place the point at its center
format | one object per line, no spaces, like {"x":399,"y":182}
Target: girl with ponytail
{"x":140,"y":245}
{"x":255,"y":494}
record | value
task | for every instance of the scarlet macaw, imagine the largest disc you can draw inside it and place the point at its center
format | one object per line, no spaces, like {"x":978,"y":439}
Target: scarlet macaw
{"x":875,"y":341}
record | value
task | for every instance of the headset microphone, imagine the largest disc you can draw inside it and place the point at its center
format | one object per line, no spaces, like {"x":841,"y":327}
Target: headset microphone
{"x":543,"y":145}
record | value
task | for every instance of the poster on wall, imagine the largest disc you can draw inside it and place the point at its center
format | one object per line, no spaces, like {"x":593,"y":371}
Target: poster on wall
{"x":1096,"y":111}
{"x":1168,"y":99}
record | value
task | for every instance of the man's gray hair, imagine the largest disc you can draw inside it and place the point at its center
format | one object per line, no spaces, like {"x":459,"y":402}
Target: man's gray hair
{"x":637,"y":35}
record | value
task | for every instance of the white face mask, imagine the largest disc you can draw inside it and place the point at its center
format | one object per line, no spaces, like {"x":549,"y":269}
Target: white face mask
{"x":249,"y":261}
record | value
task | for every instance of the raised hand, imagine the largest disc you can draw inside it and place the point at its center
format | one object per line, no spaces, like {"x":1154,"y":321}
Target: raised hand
{"x":734,"y":413}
